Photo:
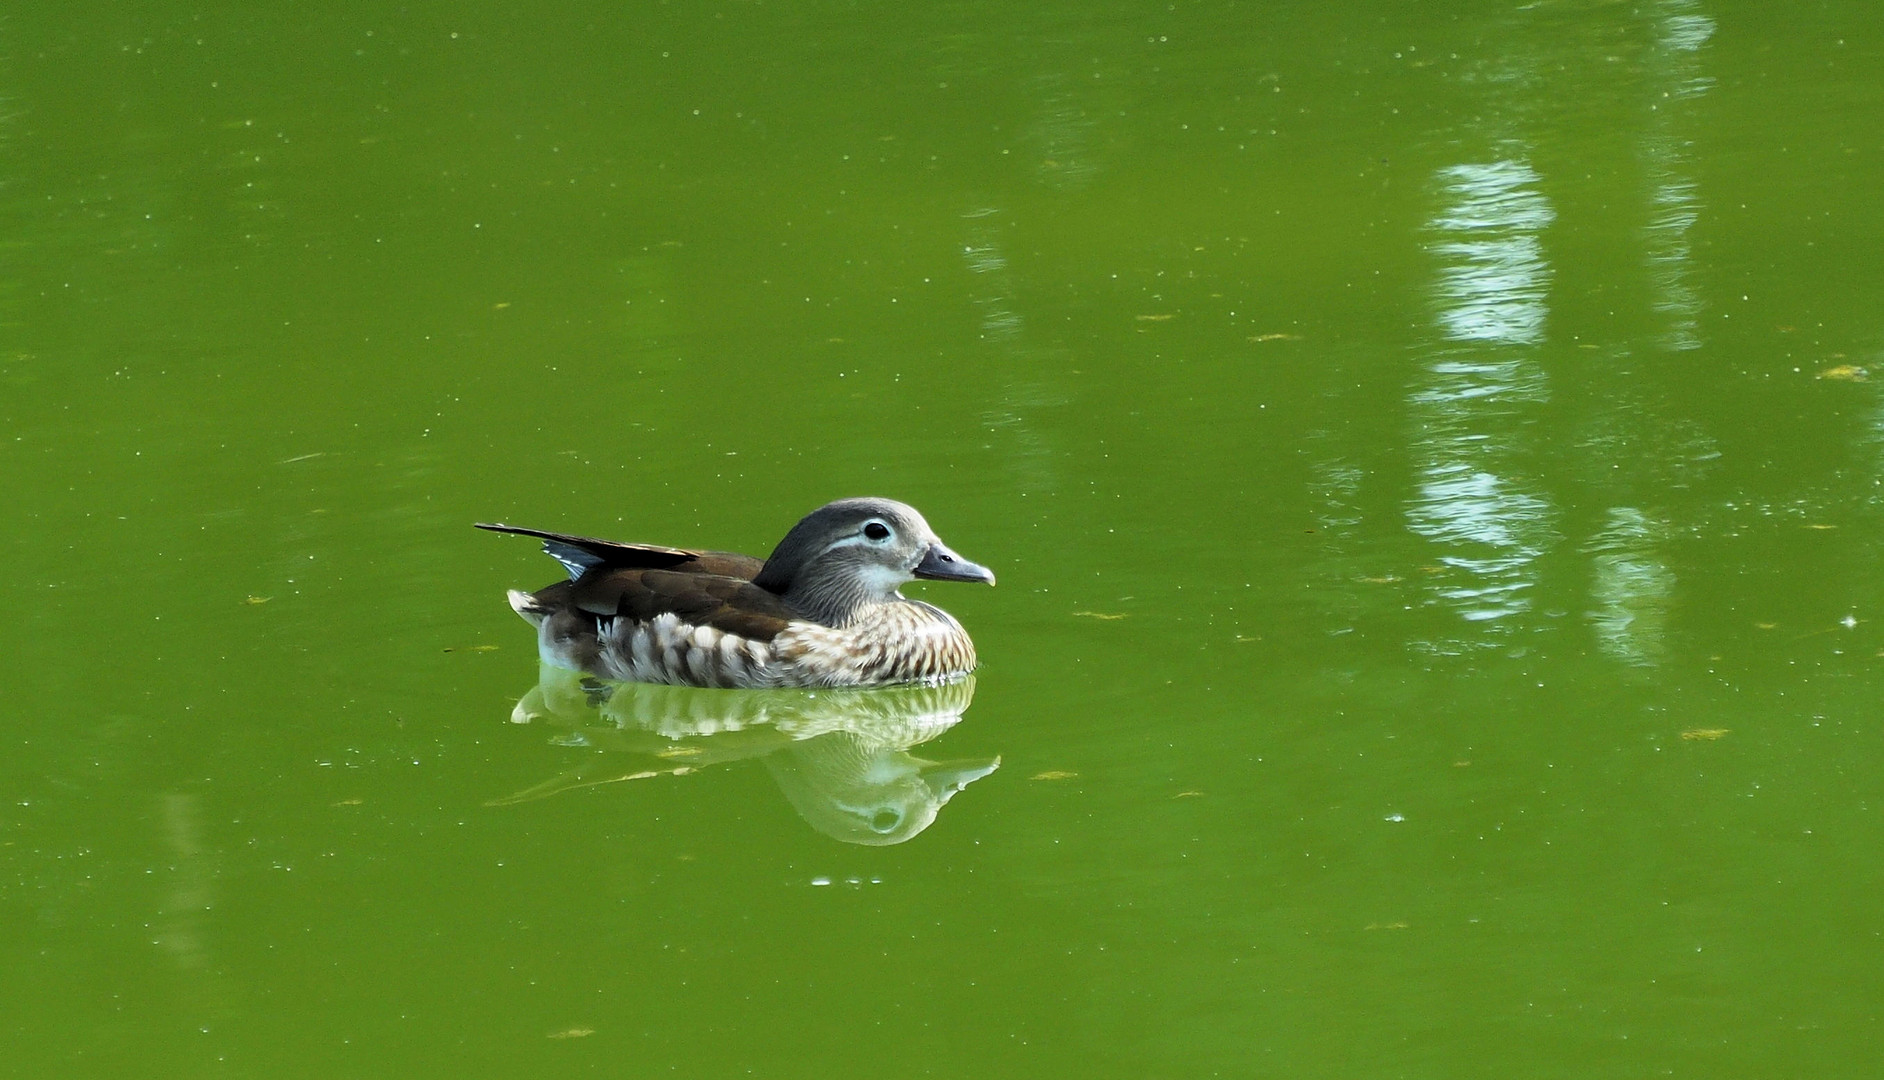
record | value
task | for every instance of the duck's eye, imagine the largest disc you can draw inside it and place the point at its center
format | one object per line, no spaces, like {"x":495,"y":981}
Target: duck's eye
{"x":876,"y":530}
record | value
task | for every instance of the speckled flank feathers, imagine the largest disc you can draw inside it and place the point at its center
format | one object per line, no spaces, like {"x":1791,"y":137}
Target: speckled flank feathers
{"x":823,"y":611}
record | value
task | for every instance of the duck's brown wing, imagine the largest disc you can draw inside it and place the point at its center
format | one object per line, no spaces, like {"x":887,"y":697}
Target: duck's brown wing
{"x":586,"y":554}
{"x":727,"y":604}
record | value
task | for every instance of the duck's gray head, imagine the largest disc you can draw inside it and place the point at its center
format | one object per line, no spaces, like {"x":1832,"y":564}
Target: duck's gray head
{"x":856,"y":552}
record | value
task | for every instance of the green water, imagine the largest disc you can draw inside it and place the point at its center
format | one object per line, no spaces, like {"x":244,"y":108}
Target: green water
{"x":1432,"y":460}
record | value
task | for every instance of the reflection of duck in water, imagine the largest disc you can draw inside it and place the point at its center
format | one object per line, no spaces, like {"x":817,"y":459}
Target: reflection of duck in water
{"x":824,"y":610}
{"x":841,"y":756}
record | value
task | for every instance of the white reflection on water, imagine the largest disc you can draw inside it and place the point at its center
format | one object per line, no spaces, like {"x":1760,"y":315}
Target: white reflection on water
{"x":1632,"y":585}
{"x":993,"y":286}
{"x":1674,"y":205}
{"x":1493,"y":531}
{"x":1492,"y":277}
{"x":1063,"y":133}
{"x":1632,"y":588}
{"x":187,"y":900}
{"x":1468,"y":402}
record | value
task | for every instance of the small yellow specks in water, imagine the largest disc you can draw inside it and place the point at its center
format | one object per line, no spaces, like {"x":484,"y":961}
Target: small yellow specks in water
{"x":1386,"y":926}
{"x":500,"y":305}
{"x":1461,"y":764}
{"x":1243,"y":638}
{"x":1385,"y":579}
{"x":348,"y":802}
{"x":572,"y":1033}
{"x":1766,"y":626}
{"x":1845,"y":373}
{"x":1154,"y":318}
{"x":1707,"y":734}
{"x":256,"y":601}
{"x":1053,"y":774}
{"x":673,"y":752}
{"x":472,"y":648}
{"x":1188,"y":795}
{"x":1276,"y":337}
{"x":1105,"y":615}
{"x":1815,"y":526}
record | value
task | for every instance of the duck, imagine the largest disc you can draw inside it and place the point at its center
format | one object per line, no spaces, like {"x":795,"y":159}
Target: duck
{"x":824,"y":610}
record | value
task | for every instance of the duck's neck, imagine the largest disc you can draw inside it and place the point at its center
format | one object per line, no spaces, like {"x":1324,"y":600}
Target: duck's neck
{"x":839,"y":604}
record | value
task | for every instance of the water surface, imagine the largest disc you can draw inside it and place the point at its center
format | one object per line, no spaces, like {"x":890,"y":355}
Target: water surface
{"x":1432,"y":462}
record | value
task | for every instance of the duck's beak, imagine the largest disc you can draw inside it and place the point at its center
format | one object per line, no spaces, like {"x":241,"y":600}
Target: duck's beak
{"x":945,"y":778}
{"x":941,"y":564}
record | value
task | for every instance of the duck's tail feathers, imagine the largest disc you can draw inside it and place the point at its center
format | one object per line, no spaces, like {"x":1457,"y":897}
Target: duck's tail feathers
{"x":580,"y":554}
{"x":525,"y":605}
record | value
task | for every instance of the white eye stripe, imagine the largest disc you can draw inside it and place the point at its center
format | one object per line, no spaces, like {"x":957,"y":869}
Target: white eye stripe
{"x":862,"y":537}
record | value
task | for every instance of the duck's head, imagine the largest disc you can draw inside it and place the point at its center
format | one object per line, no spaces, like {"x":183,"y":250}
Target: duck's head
{"x":855,"y":552}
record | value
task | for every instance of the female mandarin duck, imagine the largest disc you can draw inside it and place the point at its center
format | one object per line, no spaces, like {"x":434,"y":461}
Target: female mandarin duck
{"x":824,"y":610}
